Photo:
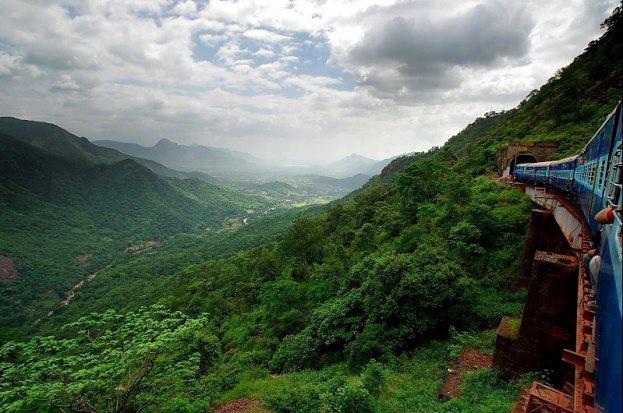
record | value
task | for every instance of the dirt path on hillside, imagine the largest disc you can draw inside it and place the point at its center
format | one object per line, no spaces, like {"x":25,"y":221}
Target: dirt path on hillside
{"x":469,"y":360}
{"x":69,"y":296}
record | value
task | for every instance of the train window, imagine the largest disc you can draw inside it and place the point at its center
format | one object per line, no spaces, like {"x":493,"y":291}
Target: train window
{"x":615,"y":197}
{"x":591,"y":174}
{"x":602,"y":173}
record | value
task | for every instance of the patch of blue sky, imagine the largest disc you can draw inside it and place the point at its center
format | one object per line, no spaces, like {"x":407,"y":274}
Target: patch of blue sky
{"x":5,"y":46}
{"x":301,"y":54}
{"x":205,"y":51}
{"x":292,"y":91}
{"x":313,"y":54}
{"x":71,"y":10}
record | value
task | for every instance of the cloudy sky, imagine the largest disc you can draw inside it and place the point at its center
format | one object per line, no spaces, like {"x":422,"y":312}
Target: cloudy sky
{"x":305,"y":80}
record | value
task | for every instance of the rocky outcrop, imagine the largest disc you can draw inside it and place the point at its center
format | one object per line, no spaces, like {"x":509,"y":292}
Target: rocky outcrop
{"x":8,"y":268}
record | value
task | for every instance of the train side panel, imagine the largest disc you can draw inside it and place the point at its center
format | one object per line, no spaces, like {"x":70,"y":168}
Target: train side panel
{"x":520,"y":172}
{"x":539,"y":172}
{"x":561,"y":174}
{"x":591,"y":170}
{"x":609,"y":296}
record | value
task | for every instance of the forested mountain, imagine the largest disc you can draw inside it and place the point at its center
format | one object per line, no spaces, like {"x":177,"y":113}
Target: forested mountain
{"x":56,"y":140}
{"x":362,"y":308}
{"x":65,"y":217}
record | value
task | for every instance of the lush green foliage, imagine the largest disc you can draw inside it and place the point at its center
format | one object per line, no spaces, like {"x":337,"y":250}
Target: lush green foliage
{"x":370,"y":279}
{"x":160,"y":360}
{"x":134,"y":280}
{"x":112,"y":363}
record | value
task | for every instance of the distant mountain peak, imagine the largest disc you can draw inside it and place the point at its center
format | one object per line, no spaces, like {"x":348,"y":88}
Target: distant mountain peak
{"x":356,"y":156}
{"x":165,"y":142}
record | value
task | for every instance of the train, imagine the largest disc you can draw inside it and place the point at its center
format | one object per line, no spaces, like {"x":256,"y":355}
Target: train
{"x":593,"y":180}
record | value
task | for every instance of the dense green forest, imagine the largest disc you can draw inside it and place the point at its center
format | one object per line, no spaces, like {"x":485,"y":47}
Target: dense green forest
{"x":359,"y":306}
{"x":64,"y":217}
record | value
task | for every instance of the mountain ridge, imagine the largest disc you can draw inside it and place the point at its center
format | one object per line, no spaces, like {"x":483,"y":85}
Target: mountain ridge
{"x":222,"y":162}
{"x":188,"y":157}
{"x":56,"y":140}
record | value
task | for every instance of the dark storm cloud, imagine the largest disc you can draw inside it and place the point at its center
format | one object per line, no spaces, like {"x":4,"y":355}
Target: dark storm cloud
{"x":415,"y":55}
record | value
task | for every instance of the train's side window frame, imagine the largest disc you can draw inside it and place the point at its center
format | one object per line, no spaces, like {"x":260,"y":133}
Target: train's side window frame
{"x":602,"y":183}
{"x":591,"y":174}
{"x":614,"y":189}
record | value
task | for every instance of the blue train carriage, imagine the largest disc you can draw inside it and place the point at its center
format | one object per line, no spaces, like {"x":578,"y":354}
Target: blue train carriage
{"x":521,"y":172}
{"x":537,"y":172}
{"x":561,"y":173}
{"x":591,"y":169}
{"x":541,"y":172}
{"x":525,"y":172}
{"x":609,"y":320}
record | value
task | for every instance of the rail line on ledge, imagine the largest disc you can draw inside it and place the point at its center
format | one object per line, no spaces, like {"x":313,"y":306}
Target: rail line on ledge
{"x":542,"y":398}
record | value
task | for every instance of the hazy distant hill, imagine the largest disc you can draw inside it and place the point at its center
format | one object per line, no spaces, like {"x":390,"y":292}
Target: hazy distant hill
{"x":190,"y":157}
{"x":56,"y":140}
{"x":354,"y":164}
{"x":225,"y":162}
{"x":342,"y":185}
{"x":348,"y":166}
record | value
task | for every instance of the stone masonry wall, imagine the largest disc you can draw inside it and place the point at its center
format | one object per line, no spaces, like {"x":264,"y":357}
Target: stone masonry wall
{"x":541,"y":151}
{"x":548,"y":322}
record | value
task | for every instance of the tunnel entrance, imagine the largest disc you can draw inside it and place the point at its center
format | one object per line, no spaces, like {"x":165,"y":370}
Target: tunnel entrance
{"x":519,"y":159}
{"x":524,"y":152}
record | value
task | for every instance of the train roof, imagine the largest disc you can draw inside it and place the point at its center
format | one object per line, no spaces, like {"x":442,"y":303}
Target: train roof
{"x":537,"y":164}
{"x":565,"y":160}
{"x":600,"y":128}
{"x":550,"y":163}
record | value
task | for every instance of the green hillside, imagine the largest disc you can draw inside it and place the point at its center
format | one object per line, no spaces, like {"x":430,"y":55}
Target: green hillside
{"x":56,"y":209}
{"x":361,"y":309}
